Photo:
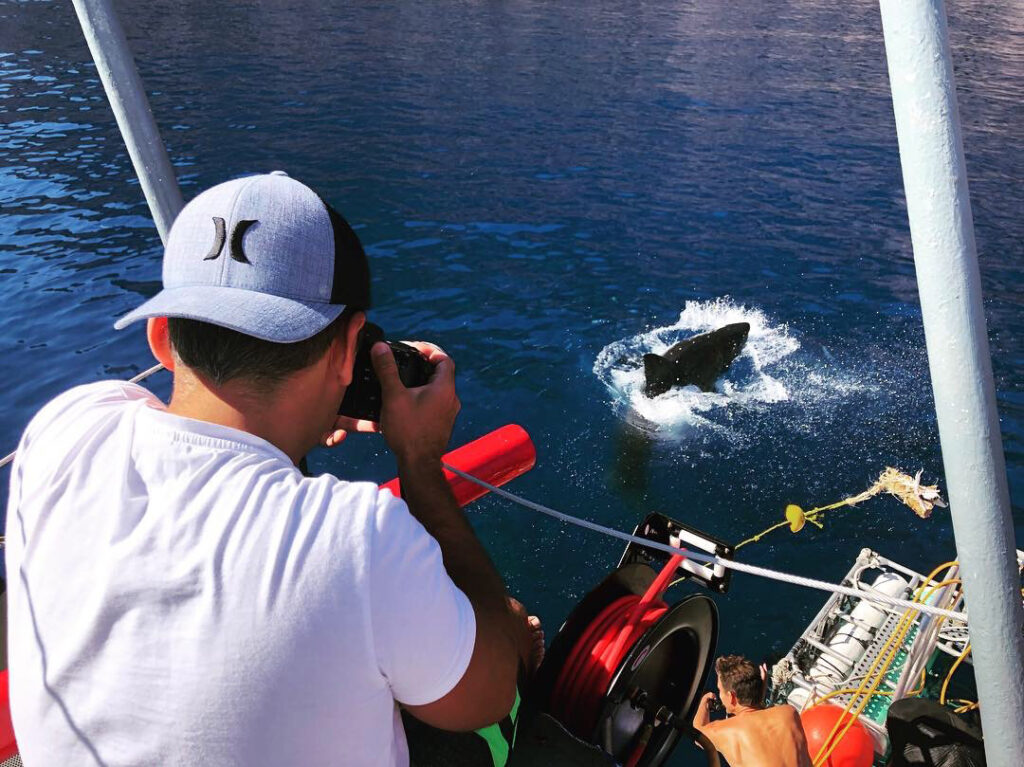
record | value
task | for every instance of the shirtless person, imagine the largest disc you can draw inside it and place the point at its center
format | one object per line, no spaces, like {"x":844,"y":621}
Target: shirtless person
{"x":752,"y":736}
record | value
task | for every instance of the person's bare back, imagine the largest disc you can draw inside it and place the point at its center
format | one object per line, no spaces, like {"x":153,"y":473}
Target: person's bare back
{"x":771,"y":737}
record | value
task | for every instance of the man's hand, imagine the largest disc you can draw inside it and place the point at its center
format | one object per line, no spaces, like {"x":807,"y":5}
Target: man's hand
{"x":342,"y":426}
{"x":417,"y":423}
{"x":703,"y":715}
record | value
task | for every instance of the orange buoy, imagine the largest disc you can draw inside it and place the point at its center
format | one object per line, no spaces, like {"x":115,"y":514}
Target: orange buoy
{"x":854,"y":749}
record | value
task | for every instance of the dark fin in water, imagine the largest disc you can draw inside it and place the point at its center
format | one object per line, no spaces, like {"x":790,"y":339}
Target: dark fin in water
{"x":659,"y":375}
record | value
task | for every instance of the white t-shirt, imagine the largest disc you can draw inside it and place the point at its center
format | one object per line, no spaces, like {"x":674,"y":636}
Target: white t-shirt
{"x":180,"y":594}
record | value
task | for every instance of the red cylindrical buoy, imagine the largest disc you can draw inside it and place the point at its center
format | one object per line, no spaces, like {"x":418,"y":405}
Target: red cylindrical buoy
{"x":856,"y":747}
{"x":8,"y":747}
{"x":496,"y":458}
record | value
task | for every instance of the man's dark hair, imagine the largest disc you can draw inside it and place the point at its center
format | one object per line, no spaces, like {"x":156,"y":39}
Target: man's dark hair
{"x":740,"y":676}
{"x":223,"y":355}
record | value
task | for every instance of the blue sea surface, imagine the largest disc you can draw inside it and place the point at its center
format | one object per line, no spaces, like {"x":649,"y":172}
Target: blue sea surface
{"x":545,"y":189}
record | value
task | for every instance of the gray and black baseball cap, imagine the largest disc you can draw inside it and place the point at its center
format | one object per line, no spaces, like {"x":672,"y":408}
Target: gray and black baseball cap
{"x":264,"y":255}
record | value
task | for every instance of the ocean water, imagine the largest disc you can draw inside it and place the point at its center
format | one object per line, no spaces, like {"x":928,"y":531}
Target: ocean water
{"x":547,"y":190}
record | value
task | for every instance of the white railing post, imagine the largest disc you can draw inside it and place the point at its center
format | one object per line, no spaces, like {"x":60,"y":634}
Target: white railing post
{"x":127,"y":97}
{"x":945,"y":256}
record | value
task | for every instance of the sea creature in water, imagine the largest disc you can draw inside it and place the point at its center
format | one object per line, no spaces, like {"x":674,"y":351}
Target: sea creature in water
{"x":697,"y":361}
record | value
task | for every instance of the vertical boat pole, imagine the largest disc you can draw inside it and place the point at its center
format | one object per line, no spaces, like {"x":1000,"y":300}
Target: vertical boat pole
{"x":945,"y":256}
{"x":127,"y":97}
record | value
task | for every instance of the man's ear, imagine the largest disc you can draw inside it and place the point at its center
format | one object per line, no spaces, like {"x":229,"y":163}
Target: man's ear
{"x":345,"y":346}
{"x":160,"y":341}
{"x":733,"y":700}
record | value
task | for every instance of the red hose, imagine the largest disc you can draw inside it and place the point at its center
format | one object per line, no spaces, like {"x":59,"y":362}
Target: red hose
{"x":584,"y":679}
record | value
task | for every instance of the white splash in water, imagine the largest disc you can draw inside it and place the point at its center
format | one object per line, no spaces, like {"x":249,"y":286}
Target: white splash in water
{"x":748,"y":382}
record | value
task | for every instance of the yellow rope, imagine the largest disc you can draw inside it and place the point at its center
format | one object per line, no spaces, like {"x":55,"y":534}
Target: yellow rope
{"x":965,"y":705}
{"x":760,"y":535}
{"x":949,"y":676}
{"x":851,"y":712}
{"x":909,"y":490}
{"x":828,"y":745}
{"x":808,"y":516}
{"x":888,"y":652}
{"x":849,"y":690}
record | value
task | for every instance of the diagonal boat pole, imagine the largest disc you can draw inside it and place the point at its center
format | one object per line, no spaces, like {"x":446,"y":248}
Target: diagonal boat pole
{"x":945,"y":257}
{"x":127,"y":97}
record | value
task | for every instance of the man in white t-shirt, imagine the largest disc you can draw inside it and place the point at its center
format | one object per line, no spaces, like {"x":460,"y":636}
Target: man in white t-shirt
{"x":179,"y":593}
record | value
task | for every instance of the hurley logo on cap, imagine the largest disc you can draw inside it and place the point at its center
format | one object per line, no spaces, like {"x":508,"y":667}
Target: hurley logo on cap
{"x":283,"y":263}
{"x":237,"y":233}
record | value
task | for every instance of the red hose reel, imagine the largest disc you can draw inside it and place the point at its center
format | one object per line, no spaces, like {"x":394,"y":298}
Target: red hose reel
{"x":627,"y":668}
{"x":598,"y":653}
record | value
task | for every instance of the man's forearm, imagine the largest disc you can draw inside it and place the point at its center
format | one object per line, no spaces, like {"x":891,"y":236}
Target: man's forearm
{"x":703,"y":716}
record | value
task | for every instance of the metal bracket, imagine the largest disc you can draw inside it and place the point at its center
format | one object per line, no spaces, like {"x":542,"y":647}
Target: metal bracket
{"x":662,"y":529}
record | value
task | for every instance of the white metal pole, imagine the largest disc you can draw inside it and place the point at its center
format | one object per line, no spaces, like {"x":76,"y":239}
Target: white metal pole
{"x":127,"y":97}
{"x":945,"y":256}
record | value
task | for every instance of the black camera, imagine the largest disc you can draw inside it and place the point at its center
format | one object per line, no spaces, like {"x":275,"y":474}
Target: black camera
{"x":715,"y":706}
{"x":363,"y":398}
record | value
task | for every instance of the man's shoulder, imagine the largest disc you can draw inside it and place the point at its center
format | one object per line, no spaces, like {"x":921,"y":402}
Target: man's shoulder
{"x":79,"y":408}
{"x":106,"y":391}
{"x":719,"y":725}
{"x":80,"y":399}
{"x":722,"y":732}
{"x":339,"y":526}
{"x":385,"y":514}
{"x":751,"y":718}
{"x":349,"y":503}
{"x":783,"y":711}
{"x":329,"y":491}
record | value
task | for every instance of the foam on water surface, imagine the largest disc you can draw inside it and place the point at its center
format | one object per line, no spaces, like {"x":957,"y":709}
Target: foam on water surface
{"x":765,"y":372}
